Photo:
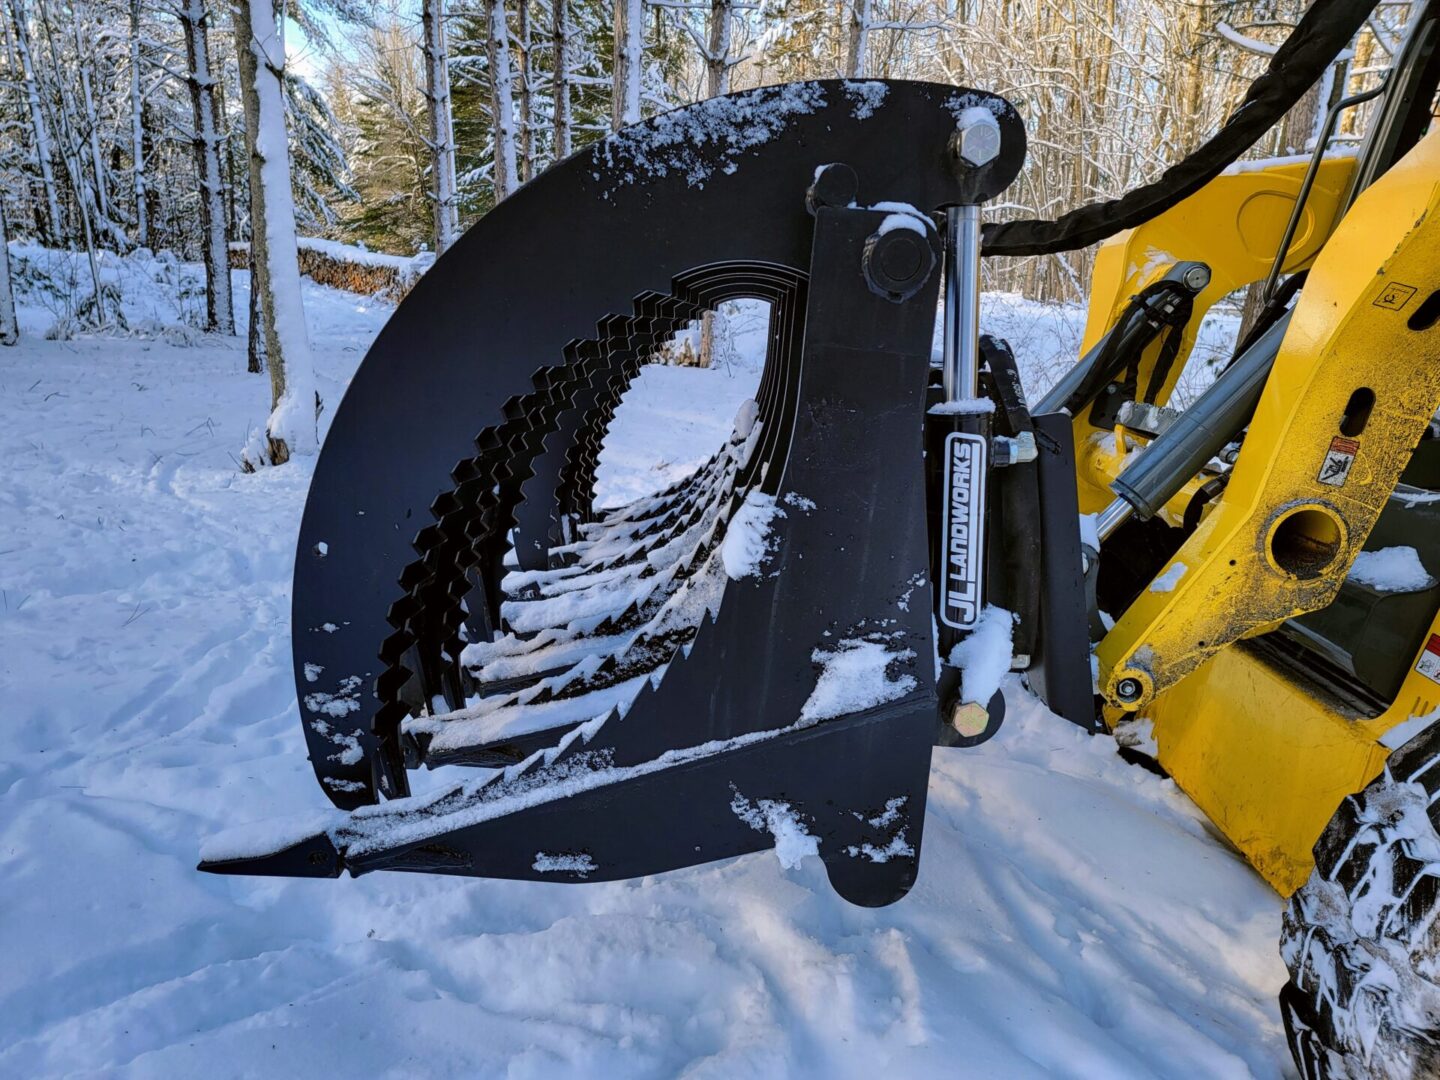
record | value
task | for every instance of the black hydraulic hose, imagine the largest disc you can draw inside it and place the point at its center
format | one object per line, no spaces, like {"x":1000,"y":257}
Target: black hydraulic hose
{"x":1297,"y":64}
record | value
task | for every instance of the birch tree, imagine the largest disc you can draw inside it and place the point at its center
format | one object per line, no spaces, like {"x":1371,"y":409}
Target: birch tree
{"x":40,"y":127}
{"x":629,"y":60}
{"x":274,"y":254}
{"x":442,"y":138}
{"x":560,"y":33}
{"x":9,"y":328}
{"x":502,"y":99}
{"x":137,"y":133}
{"x":219,"y":302}
{"x":525,"y":117}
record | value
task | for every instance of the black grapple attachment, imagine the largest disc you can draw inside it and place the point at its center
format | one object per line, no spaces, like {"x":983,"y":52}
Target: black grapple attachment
{"x":747,"y":656}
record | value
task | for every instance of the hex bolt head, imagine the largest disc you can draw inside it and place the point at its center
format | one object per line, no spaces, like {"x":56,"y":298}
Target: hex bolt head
{"x":976,"y":141}
{"x":1128,"y":690}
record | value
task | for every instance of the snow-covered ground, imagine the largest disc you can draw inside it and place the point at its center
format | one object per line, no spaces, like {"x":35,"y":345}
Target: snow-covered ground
{"x":1074,"y":916}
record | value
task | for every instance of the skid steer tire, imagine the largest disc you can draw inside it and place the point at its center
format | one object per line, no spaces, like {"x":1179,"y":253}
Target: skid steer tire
{"x":1361,"y":938}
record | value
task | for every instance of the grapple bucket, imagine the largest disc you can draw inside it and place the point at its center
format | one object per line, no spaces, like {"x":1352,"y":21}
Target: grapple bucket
{"x":745,"y":656}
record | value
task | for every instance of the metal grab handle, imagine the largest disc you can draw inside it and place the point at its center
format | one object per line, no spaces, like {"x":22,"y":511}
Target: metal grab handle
{"x":1326,"y":130}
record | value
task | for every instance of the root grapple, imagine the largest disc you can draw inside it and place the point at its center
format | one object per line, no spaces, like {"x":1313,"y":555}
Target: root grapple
{"x":633,"y":695}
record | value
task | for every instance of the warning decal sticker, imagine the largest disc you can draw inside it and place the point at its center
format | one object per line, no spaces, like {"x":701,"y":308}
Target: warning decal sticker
{"x":1338,"y":461}
{"x":1395,"y":296}
{"x":1429,"y":662}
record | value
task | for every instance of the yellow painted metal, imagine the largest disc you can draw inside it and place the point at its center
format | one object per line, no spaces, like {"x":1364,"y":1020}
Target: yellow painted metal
{"x":1280,"y":540}
{"x":1234,"y":224}
{"x":1264,"y":752}
{"x":1269,"y":757}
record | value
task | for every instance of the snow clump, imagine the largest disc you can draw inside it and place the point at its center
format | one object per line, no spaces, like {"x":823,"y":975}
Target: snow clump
{"x":747,"y":541}
{"x":792,"y":841}
{"x":853,"y":677}
{"x":984,"y":656}
{"x":1391,"y":570}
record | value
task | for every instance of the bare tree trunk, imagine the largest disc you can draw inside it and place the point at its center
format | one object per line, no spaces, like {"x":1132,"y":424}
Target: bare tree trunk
{"x":502,"y":100}
{"x":717,"y":81}
{"x":560,"y":77}
{"x":9,"y":328}
{"x":92,"y":123}
{"x":274,"y":253}
{"x":629,"y":56}
{"x":255,"y":339}
{"x":717,"y":58}
{"x":40,"y":130}
{"x":137,"y":133}
{"x":219,"y":303}
{"x":527,"y":129}
{"x":442,"y":137}
{"x":859,"y":44}
{"x":70,"y":156}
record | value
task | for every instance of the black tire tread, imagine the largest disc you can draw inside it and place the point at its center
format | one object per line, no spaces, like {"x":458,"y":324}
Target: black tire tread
{"x":1361,"y":938}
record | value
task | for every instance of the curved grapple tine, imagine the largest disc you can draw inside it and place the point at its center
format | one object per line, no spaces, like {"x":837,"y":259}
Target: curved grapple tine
{"x":794,"y":696}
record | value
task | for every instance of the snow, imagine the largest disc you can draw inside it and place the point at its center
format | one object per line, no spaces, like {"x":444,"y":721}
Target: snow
{"x":983,"y":657}
{"x":1167,"y":581}
{"x":854,"y":676}
{"x":1244,"y":41}
{"x":145,"y":656}
{"x":1403,"y":732}
{"x":730,"y":125}
{"x":363,"y":256}
{"x":581,"y":864}
{"x":910,"y":222}
{"x":962,"y":407}
{"x":866,"y":96}
{"x":792,"y":841}
{"x":1138,"y":734}
{"x":961,"y":106}
{"x":747,"y":541}
{"x":1391,"y":570}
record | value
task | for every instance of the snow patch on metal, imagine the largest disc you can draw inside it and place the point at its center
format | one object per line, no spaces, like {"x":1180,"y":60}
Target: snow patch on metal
{"x":855,"y":676}
{"x":580,"y":864}
{"x":865,"y":96}
{"x":697,"y":140}
{"x":792,"y":840}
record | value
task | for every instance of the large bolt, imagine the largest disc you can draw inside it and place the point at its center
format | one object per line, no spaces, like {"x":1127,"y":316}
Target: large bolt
{"x":1128,"y":690}
{"x":834,"y":185}
{"x":1196,"y":277}
{"x":898,"y":260}
{"x":976,"y":141}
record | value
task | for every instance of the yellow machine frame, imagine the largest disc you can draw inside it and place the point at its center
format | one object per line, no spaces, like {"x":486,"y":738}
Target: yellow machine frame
{"x":1266,"y":756}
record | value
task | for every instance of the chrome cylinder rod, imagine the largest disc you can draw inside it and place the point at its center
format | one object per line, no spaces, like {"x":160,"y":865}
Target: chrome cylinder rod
{"x":962,"y":303}
{"x":1112,"y":517}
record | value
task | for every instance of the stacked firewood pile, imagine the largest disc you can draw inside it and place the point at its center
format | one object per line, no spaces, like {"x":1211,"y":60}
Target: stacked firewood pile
{"x":354,"y":269}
